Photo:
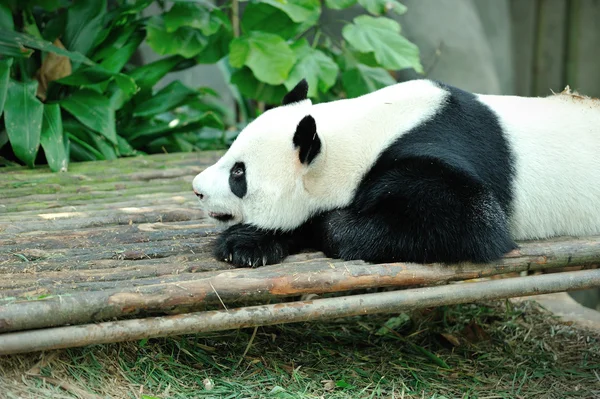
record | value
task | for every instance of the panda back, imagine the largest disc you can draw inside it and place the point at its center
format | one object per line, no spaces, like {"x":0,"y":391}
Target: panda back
{"x":555,"y":143}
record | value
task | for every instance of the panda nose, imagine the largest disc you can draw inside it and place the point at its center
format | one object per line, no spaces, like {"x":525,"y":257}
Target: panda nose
{"x":199,"y":195}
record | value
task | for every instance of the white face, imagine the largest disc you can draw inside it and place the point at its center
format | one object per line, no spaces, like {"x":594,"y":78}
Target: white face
{"x":259,"y":180}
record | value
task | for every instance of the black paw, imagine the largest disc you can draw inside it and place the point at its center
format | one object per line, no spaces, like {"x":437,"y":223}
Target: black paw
{"x":247,"y":246}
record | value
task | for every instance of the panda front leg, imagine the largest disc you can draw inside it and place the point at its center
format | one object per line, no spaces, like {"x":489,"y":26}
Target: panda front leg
{"x":416,"y":215}
{"x":245,"y":245}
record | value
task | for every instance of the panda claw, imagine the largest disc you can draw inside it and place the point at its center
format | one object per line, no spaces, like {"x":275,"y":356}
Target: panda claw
{"x":230,"y":257}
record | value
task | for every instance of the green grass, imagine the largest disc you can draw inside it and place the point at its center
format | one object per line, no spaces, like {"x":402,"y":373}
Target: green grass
{"x":496,"y":350}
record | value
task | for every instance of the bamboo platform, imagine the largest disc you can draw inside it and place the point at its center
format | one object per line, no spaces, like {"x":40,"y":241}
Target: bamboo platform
{"x":119,"y":250}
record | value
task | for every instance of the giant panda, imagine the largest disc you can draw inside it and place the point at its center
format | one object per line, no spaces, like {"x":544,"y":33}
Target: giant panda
{"x":419,"y":171}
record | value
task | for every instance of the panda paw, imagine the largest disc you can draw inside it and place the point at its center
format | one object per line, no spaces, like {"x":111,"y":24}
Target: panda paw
{"x":247,"y":246}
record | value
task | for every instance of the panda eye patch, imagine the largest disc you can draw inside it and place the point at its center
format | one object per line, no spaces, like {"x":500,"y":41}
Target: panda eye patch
{"x":238,"y":169}
{"x":237,"y":179}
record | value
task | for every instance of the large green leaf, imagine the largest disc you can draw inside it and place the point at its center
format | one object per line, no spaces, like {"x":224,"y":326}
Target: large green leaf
{"x":4,"y":79}
{"x":6,"y":19}
{"x":267,"y":55}
{"x":319,"y":70}
{"x":23,"y":120}
{"x":297,"y":10}
{"x":21,"y":43}
{"x":266,"y":18}
{"x":197,"y":16}
{"x":185,"y":41}
{"x":84,"y":23}
{"x":381,"y":7}
{"x":94,"y":111}
{"x":363,"y":79}
{"x":339,"y":4}
{"x":52,"y":139}
{"x":168,"y":98}
{"x":381,"y":36}
{"x":247,"y":84}
{"x":148,"y":75}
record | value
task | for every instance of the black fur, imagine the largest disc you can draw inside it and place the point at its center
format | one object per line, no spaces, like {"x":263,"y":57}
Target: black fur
{"x":440,"y":193}
{"x":248,"y":246}
{"x":307,"y":139}
{"x":237,"y":182}
{"x":297,"y":94}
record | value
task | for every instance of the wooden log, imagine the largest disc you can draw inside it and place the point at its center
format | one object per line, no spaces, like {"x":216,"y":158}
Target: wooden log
{"x":284,"y":280}
{"x":161,"y":214}
{"x":320,"y":309}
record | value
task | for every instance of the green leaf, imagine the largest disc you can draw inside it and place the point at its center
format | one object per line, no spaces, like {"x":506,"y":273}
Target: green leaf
{"x":82,"y":151}
{"x":4,"y":78}
{"x":124,"y":148}
{"x":55,"y":27}
{"x":117,"y":60}
{"x":382,"y":37}
{"x":167,"y":98}
{"x":196,"y":16}
{"x":151,"y":130}
{"x":216,"y":49}
{"x":251,"y":88}
{"x":297,"y":10}
{"x":185,"y":41}
{"x":319,"y":70}
{"x":339,"y":4}
{"x":23,"y":120}
{"x":50,"y":5}
{"x":267,"y":55}
{"x":87,"y":76}
{"x":93,"y":110}
{"x":363,"y":79}
{"x":121,"y":90}
{"x":52,"y":139}
{"x":148,"y":75}
{"x":381,"y":7}
{"x":21,"y":42}
{"x":6,"y":18}
{"x":117,"y":38}
{"x":84,"y":23}
{"x":96,"y":143}
{"x":3,"y":138}
{"x":265,"y":18}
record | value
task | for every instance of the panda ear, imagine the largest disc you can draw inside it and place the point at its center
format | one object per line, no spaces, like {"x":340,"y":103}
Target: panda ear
{"x":307,"y":140}
{"x":297,"y":94}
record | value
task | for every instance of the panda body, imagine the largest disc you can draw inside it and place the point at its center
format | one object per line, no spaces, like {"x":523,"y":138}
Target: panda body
{"x":418,"y":171}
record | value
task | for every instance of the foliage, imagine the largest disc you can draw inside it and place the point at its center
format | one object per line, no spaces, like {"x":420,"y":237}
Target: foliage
{"x":68,"y":82}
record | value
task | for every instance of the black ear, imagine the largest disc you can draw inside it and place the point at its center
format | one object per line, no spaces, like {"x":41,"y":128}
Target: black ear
{"x":298,"y":93}
{"x":307,"y":139}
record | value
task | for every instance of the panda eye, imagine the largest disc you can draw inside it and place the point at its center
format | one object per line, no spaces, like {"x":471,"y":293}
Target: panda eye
{"x":238,"y":169}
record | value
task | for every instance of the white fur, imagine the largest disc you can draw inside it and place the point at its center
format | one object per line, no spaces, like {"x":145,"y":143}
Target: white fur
{"x":282,"y":193}
{"x":556,"y":143}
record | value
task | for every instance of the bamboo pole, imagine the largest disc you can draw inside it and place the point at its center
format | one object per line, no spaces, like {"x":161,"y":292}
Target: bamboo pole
{"x":320,"y":309}
{"x":174,"y":294}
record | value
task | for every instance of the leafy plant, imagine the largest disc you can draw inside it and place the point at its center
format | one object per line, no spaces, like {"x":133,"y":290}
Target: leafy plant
{"x":67,"y":82}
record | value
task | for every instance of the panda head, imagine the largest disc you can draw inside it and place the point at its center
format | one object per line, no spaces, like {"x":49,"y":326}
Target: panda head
{"x":260,"y":179}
